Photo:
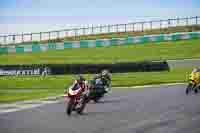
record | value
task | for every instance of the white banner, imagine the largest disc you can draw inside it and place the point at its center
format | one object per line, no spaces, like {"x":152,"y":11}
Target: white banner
{"x":37,"y":71}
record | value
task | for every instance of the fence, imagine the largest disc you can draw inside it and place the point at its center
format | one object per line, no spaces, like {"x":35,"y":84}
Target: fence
{"x":130,"y":27}
{"x":99,"y":42}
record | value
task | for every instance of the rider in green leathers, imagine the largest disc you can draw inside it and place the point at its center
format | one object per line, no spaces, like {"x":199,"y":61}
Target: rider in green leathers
{"x":105,"y":77}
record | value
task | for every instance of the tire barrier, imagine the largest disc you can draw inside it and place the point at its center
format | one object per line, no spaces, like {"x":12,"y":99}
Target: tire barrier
{"x":99,"y":42}
{"x":61,"y":69}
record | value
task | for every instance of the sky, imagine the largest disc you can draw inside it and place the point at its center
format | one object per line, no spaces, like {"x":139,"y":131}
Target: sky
{"x":17,"y":16}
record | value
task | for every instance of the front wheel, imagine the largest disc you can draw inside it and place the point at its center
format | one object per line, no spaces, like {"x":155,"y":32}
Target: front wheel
{"x":98,"y":97}
{"x":83,"y":104}
{"x":196,"y":89}
{"x":70,"y":106}
{"x":189,"y":88}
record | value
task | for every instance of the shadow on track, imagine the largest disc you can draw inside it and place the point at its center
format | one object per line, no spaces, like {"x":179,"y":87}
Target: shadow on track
{"x":106,"y":101}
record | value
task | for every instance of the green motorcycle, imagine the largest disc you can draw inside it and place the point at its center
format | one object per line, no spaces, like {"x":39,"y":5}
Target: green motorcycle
{"x":97,"y":90}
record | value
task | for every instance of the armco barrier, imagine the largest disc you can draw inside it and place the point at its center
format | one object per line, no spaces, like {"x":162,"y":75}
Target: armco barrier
{"x":101,"y":42}
{"x":60,"y":69}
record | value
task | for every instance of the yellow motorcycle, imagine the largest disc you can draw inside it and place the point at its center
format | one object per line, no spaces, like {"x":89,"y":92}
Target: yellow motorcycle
{"x":194,"y":81}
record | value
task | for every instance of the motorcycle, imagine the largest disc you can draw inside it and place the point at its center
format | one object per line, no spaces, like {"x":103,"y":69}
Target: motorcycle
{"x":97,"y":90}
{"x":194,"y":82}
{"x":76,"y":101}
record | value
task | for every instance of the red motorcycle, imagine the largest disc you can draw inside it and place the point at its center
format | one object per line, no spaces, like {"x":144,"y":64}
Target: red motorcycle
{"x":75,"y":99}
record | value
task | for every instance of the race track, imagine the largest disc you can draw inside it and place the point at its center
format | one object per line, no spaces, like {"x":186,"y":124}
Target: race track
{"x":151,"y":110}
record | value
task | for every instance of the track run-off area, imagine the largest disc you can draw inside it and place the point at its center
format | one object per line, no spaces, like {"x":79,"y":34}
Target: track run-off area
{"x":154,"y":109}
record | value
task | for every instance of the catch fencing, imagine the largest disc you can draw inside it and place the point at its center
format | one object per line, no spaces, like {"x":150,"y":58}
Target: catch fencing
{"x":76,"y":32}
{"x":100,"y":42}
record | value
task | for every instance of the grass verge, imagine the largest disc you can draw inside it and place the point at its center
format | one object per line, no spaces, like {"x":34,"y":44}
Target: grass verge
{"x":54,"y":85}
{"x":127,"y":53}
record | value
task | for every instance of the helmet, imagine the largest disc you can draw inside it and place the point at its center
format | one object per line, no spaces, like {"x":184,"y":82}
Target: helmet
{"x":197,"y":69}
{"x":105,"y":73}
{"x":80,"y":78}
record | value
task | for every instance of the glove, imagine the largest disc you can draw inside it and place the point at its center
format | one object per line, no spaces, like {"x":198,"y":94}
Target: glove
{"x":86,"y":92}
{"x":107,"y":89}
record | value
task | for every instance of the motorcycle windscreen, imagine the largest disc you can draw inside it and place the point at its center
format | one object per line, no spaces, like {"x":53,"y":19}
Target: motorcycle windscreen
{"x":98,"y":82}
{"x":74,"y":90}
{"x":75,"y":87}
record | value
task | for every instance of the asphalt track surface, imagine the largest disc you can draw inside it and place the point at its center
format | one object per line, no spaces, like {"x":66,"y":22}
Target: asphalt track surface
{"x":150,"y":110}
{"x":183,"y":63}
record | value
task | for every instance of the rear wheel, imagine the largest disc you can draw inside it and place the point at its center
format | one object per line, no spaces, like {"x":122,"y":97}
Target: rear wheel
{"x":70,"y":106}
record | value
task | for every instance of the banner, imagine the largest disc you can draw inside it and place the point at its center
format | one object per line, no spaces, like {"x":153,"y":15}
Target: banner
{"x":20,"y":70}
{"x":61,"y":69}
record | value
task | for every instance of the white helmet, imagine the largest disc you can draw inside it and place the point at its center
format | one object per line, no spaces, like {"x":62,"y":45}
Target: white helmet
{"x":104,"y":72}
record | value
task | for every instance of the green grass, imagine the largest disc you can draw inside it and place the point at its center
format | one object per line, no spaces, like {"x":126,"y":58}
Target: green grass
{"x":33,"y":87}
{"x":6,"y":97}
{"x":127,"y":53}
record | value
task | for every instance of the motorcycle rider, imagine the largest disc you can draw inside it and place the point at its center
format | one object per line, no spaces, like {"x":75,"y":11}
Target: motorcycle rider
{"x":80,"y":80}
{"x":197,"y":71}
{"x":105,"y":77}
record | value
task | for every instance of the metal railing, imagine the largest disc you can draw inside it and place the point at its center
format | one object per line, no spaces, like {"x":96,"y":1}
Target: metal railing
{"x":76,"y":32}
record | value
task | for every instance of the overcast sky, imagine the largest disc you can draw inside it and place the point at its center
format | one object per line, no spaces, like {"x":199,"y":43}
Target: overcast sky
{"x":18,"y":16}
